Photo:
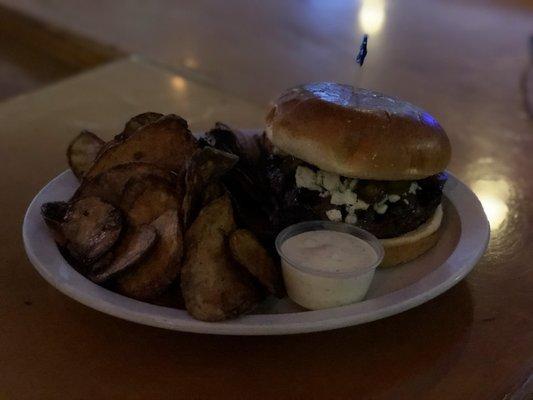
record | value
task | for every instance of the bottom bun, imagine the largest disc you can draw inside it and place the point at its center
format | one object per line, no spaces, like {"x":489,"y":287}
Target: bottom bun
{"x":407,"y":247}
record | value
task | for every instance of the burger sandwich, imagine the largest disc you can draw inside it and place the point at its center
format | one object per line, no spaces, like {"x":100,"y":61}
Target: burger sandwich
{"x":357,"y":156}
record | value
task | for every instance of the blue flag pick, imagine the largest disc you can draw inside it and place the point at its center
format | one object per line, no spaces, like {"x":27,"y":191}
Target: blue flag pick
{"x":360,"y":59}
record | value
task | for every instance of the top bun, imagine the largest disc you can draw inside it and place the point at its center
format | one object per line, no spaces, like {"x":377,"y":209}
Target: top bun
{"x":358,"y":133}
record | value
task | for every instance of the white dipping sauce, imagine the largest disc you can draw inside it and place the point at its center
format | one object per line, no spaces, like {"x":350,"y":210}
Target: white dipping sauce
{"x":331,"y":252}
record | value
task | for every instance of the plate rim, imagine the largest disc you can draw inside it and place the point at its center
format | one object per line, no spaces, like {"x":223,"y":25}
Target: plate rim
{"x":439,"y":280}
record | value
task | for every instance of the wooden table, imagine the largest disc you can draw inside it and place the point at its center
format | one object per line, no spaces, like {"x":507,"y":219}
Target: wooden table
{"x":34,"y":53}
{"x":461,"y":62}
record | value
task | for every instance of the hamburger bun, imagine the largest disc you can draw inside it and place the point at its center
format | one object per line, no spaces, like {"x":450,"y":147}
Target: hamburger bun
{"x":358,"y":133}
{"x":410,"y":245}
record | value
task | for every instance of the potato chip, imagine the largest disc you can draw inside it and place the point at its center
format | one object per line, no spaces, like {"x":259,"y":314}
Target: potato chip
{"x":82,"y":152}
{"x":153,"y":275}
{"x":109,"y":185}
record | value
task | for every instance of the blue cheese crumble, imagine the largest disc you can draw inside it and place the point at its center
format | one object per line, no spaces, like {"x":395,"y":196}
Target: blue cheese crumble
{"x":341,"y":192}
{"x":306,"y":178}
{"x":381,"y":207}
{"x":414,"y":187}
{"x":330,"y":185}
{"x":334,"y":215}
{"x":351,"y":219}
{"x":393,"y":198}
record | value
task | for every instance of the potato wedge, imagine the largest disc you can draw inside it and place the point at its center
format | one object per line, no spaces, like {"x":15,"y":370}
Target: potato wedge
{"x":213,"y":287}
{"x":82,"y":152}
{"x":217,"y":216}
{"x":145,"y":199}
{"x":205,"y":166}
{"x":153,"y":275}
{"x":251,"y":255}
{"x":137,"y":122}
{"x":133,"y":248}
{"x":88,"y":229}
{"x":109,"y":185}
{"x":167,"y":143}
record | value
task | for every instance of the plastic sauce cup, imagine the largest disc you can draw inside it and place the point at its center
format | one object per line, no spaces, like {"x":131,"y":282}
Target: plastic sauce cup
{"x":317,"y":289}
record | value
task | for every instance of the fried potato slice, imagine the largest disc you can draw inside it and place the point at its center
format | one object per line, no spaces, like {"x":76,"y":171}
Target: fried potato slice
{"x":145,"y":199}
{"x":153,"y":275}
{"x":251,"y":255}
{"x":89,"y":228}
{"x":205,"y":166}
{"x":53,"y":214}
{"x":131,"y":127}
{"x":109,"y":185}
{"x":137,"y":122}
{"x":213,"y":287}
{"x":133,"y":248}
{"x":167,"y":143}
{"x":82,"y":152}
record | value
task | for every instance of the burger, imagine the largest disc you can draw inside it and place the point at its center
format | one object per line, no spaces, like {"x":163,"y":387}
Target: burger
{"x":352,"y":155}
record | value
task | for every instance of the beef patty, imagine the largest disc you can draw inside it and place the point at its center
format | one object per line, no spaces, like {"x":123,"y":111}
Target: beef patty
{"x":412,"y":209}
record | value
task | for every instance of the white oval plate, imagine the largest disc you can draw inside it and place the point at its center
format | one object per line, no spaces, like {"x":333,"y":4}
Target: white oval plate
{"x":464,"y":238}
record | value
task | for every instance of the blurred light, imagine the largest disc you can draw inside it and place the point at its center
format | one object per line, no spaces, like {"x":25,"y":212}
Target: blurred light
{"x":371,"y":16}
{"x":178,"y":83}
{"x":191,"y":62}
{"x":494,"y":196}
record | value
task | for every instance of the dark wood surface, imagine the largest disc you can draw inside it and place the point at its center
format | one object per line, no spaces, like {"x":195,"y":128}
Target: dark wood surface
{"x":34,"y":53}
{"x":461,"y":61}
